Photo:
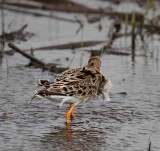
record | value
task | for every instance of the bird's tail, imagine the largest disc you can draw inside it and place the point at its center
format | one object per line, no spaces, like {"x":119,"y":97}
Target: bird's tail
{"x":41,"y":94}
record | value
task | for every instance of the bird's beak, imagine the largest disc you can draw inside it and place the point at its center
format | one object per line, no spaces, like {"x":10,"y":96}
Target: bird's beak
{"x":33,"y":97}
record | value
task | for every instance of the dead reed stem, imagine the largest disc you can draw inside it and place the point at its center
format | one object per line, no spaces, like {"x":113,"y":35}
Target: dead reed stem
{"x":149,"y":147}
{"x":133,"y":42}
{"x":2,"y":41}
{"x":133,"y":38}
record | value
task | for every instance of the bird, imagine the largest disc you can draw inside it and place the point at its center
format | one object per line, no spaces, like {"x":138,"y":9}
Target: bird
{"x":75,"y":86}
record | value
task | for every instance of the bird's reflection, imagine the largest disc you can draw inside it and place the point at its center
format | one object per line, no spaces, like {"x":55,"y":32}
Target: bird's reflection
{"x":68,"y":132}
{"x":72,"y":137}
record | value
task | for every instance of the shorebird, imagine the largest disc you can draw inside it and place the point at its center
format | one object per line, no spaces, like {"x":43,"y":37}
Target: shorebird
{"x":75,"y":86}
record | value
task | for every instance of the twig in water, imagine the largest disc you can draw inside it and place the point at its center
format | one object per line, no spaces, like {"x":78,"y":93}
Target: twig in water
{"x":26,"y":55}
{"x":36,"y":62}
{"x":133,"y":35}
{"x":2,"y":41}
{"x":72,"y":45}
{"x":112,"y":35}
{"x":149,"y":147}
{"x":81,"y":25}
{"x":17,"y":34}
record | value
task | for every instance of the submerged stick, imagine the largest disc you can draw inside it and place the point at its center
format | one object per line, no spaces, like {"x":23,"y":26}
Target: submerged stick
{"x":149,"y":147}
{"x":72,"y":45}
{"x":11,"y":45}
{"x":17,"y":34}
{"x":133,"y":38}
{"x":23,"y":11}
{"x":2,"y":41}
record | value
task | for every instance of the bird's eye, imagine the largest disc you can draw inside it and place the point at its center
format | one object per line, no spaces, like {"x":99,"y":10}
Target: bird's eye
{"x":92,"y":64}
{"x":44,"y":95}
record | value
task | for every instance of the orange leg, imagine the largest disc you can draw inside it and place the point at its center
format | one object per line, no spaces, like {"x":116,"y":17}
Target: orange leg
{"x":70,"y":113}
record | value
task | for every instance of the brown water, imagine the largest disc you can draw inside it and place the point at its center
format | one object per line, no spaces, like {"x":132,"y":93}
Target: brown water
{"x":129,"y":121}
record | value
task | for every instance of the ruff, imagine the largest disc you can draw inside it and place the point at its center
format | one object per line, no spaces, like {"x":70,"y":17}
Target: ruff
{"x":75,"y":86}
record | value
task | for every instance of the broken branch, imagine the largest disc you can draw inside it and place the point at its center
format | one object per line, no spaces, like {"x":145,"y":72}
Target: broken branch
{"x":11,"y":45}
{"x":72,"y":45}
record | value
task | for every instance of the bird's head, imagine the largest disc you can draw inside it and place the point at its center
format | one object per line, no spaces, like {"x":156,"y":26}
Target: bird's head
{"x":94,"y":63}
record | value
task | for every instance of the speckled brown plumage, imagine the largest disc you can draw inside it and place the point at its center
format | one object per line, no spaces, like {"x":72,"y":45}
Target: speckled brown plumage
{"x":80,"y":84}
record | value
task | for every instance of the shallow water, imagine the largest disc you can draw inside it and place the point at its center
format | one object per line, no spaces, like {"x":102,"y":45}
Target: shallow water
{"x":129,"y":121}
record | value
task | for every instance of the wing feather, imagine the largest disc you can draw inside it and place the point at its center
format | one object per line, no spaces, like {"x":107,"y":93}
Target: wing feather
{"x":74,"y":83}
